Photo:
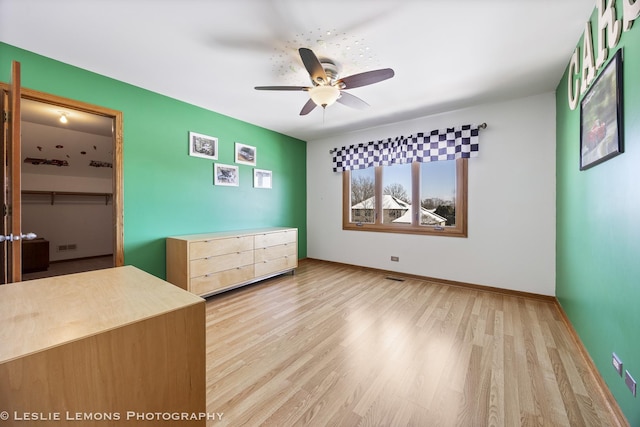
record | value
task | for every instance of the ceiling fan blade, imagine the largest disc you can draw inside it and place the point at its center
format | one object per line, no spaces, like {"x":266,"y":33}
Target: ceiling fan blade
{"x":351,"y":101}
{"x":282,"y":88}
{"x":366,"y":78}
{"x":308,"y":107}
{"x":313,"y":65}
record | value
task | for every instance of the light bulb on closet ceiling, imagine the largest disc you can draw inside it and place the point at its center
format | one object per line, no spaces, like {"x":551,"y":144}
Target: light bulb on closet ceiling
{"x":63,"y":118}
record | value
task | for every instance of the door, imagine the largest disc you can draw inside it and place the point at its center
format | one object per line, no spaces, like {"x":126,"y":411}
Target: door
{"x":10,"y":169}
{"x":11,"y":250}
{"x":4,"y":139}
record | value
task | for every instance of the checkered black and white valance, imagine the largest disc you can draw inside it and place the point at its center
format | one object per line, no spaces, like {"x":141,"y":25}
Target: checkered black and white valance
{"x":443,"y":144}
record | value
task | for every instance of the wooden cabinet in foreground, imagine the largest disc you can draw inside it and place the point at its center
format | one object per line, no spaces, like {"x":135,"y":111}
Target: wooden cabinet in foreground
{"x":102,"y":348}
{"x":209,"y":263}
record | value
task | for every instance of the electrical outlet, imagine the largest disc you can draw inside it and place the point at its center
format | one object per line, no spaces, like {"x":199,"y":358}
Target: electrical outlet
{"x":395,"y":258}
{"x":630,"y":382}
{"x":617,"y":363}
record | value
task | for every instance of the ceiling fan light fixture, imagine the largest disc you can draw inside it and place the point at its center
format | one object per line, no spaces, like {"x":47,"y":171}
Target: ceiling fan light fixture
{"x":324,"y":95}
{"x":326,"y":87}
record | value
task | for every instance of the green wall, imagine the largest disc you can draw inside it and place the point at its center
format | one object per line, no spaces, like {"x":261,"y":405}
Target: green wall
{"x":167,"y":192}
{"x":598,"y":233}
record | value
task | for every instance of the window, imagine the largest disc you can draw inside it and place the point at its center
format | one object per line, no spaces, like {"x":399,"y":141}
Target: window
{"x":417,"y":198}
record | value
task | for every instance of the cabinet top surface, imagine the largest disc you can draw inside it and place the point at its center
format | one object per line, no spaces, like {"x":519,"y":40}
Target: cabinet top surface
{"x":231,"y":233}
{"x":40,"y":314}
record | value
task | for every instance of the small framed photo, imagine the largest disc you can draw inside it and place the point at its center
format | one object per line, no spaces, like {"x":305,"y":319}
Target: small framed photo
{"x":601,"y":116}
{"x":203,"y":146}
{"x":225,"y":175}
{"x":262,"y":178}
{"x":245,"y":154}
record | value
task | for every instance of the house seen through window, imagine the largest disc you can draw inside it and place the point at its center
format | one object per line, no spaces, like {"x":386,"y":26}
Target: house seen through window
{"x":425,"y":198}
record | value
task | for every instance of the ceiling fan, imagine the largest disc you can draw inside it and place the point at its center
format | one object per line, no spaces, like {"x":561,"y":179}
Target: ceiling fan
{"x":326,"y":87}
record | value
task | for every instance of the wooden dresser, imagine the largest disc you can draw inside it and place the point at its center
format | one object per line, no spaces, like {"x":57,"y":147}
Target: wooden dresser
{"x":206,"y":264}
{"x":108,"y":344}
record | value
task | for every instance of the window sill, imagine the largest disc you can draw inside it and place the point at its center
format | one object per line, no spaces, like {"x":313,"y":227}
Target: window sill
{"x":399,"y":229}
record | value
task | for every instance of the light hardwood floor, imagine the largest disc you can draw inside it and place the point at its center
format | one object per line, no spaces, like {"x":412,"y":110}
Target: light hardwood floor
{"x":335,"y":345}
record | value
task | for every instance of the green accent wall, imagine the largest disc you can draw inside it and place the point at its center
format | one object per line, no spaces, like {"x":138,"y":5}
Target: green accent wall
{"x":598,"y":232}
{"x":166,"y":191}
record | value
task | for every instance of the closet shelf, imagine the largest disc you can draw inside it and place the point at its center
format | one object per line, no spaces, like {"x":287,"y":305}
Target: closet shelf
{"x":53,"y":194}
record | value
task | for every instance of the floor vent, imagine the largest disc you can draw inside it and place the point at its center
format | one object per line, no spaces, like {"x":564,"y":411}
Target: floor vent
{"x":395,"y":279}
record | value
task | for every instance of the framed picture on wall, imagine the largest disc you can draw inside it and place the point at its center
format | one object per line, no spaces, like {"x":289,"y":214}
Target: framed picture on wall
{"x":203,"y":146}
{"x":245,"y":154}
{"x":225,"y":175}
{"x":601,"y":116}
{"x":262,"y":178}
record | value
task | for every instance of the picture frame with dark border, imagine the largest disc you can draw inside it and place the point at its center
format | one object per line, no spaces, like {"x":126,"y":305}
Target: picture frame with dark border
{"x":601,"y":116}
{"x":204,"y":146}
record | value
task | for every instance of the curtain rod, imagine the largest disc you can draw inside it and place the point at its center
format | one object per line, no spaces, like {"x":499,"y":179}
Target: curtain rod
{"x":480,"y":126}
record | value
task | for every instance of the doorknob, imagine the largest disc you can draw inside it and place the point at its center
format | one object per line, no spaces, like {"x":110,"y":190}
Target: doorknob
{"x":11,"y":237}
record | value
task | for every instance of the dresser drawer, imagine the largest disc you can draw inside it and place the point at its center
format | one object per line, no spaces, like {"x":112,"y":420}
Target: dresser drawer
{"x":209,"y":283}
{"x":214,"y":247}
{"x":272,"y":239}
{"x":214,"y":264}
{"x":273,"y":252}
{"x":275,"y":265}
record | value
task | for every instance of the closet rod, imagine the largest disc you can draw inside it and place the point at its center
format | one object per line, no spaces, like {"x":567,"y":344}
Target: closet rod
{"x":53,"y":194}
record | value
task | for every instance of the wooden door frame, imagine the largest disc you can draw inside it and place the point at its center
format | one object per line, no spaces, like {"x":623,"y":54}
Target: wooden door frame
{"x":118,"y":185}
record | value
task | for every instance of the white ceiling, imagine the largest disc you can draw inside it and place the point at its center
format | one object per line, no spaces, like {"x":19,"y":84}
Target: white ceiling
{"x":211,"y":53}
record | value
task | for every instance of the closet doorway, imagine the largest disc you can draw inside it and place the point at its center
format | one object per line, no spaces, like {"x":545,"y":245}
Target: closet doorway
{"x":71,"y":179}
